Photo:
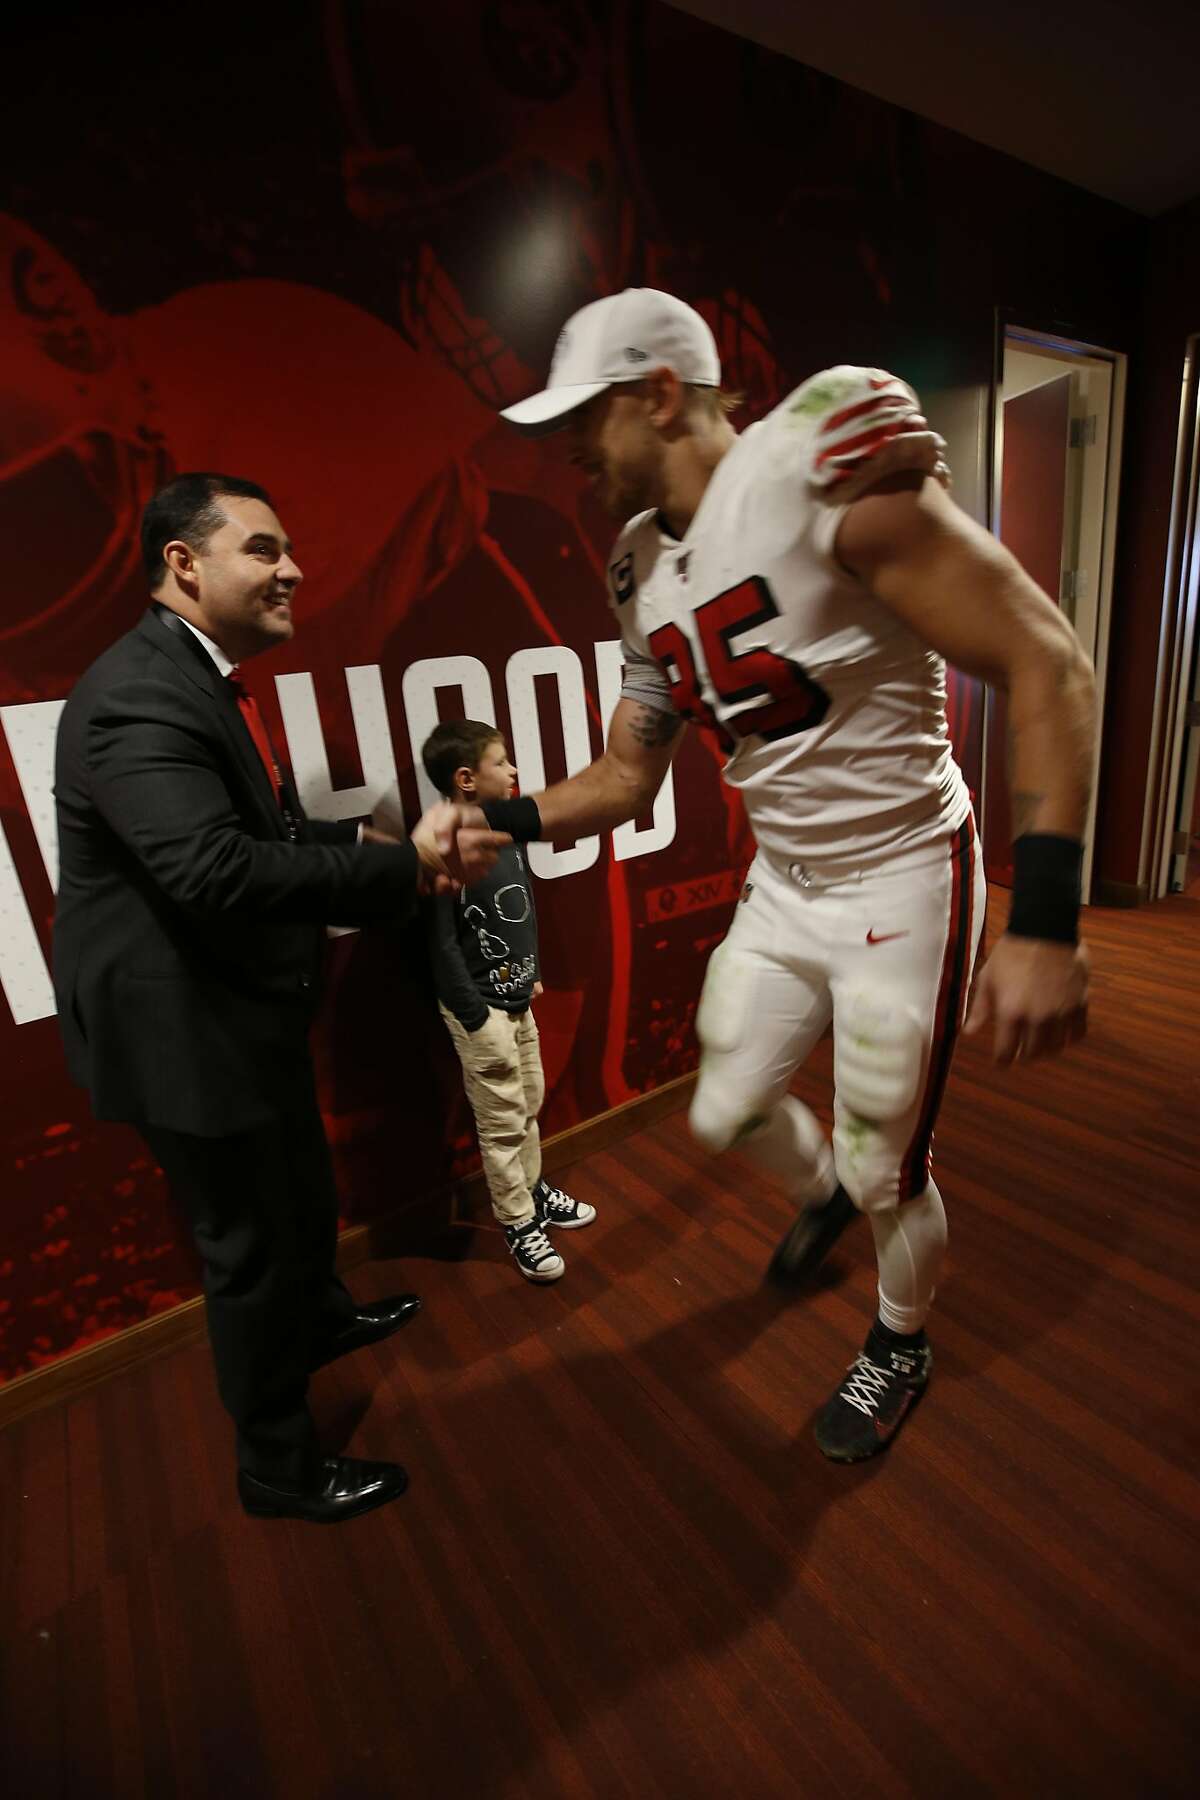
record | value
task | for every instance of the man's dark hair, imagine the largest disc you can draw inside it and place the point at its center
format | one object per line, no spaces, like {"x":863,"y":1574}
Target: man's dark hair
{"x":458,"y":744}
{"x":187,"y":508}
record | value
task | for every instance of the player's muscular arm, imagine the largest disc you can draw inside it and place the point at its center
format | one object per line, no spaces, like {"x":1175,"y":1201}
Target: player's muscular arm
{"x":965,"y":596}
{"x":642,"y":740}
{"x":969,"y":599}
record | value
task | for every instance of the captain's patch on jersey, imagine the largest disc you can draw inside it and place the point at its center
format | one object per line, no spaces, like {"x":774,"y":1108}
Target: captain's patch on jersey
{"x":622,"y":579}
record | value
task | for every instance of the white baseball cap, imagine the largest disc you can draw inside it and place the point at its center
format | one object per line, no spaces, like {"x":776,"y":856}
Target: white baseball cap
{"x":620,"y":338}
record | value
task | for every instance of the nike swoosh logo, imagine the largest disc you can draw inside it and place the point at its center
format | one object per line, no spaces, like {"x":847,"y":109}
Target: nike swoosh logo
{"x":887,"y":936}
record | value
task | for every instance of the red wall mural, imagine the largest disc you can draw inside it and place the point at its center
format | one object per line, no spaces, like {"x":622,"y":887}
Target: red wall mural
{"x":318,"y":248}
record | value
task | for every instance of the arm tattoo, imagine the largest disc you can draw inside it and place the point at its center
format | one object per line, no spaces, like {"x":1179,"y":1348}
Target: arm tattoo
{"x":652,"y":728}
{"x":1025,"y":809}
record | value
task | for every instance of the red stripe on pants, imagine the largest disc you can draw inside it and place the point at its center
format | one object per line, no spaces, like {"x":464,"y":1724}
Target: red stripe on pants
{"x":951,"y":1001}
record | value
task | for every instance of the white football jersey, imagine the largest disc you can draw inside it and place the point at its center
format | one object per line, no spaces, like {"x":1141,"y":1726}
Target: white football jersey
{"x":831,"y":712}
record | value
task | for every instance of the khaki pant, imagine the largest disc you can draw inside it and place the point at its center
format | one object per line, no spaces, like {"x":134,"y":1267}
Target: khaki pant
{"x":502,"y":1073}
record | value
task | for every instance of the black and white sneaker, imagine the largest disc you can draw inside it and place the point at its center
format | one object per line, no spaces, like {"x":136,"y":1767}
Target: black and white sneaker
{"x":876,"y":1395}
{"x":800,"y":1254}
{"x":533,"y":1252}
{"x":556,"y":1208}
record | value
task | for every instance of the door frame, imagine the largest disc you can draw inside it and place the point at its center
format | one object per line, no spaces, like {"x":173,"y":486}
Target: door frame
{"x":1011,"y":325}
{"x":1176,"y":650}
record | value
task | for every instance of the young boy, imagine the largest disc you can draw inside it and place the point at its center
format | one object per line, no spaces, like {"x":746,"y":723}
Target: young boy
{"x":485,"y":958}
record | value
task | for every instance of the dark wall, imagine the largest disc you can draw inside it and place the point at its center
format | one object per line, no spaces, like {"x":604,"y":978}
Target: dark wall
{"x":318,"y":246}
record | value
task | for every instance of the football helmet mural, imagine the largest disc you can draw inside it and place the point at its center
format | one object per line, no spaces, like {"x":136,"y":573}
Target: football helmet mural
{"x":528,"y":200}
{"x":80,"y":453}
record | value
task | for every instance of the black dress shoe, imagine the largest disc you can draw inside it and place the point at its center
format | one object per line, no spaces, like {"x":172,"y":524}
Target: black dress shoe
{"x":343,"y":1487}
{"x":367,"y":1325}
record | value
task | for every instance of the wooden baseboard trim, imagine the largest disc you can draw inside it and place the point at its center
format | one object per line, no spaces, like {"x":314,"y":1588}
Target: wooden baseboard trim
{"x":72,"y":1375}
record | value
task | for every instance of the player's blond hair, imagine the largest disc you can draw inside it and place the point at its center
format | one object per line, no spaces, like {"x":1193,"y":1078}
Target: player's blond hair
{"x":716,"y":402}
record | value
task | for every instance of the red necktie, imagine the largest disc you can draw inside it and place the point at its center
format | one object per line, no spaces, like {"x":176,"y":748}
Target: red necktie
{"x":248,"y":707}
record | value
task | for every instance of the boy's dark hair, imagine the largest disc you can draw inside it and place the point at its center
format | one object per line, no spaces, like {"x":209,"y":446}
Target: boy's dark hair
{"x":187,"y":508}
{"x":456,"y":744}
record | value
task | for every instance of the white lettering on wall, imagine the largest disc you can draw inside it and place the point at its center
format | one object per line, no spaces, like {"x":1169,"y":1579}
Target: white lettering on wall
{"x":560,"y":661}
{"x":306,"y":743}
{"x":627,"y":839}
{"x":24,"y":976}
{"x":30,"y":729}
{"x":23,"y":972}
{"x":421,"y":683}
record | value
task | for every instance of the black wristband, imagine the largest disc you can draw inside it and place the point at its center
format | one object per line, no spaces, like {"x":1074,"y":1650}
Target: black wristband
{"x":520,"y":818}
{"x":1047,"y":872}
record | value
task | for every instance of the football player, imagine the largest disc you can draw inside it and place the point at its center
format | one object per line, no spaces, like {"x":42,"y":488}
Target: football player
{"x":796,"y":591}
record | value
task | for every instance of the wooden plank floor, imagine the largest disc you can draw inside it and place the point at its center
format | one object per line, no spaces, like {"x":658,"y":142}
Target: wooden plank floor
{"x":622,"y":1568}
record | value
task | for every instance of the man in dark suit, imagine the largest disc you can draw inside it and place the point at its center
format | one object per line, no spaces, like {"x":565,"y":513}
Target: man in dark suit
{"x":192,"y":895}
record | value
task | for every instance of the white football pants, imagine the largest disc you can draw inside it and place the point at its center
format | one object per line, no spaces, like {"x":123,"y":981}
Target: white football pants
{"x":887,"y":956}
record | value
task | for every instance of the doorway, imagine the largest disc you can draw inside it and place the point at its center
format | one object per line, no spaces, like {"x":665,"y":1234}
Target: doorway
{"x":1056,"y":455}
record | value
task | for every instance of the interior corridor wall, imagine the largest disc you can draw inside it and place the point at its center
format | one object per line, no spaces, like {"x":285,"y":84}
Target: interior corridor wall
{"x":315,"y":247}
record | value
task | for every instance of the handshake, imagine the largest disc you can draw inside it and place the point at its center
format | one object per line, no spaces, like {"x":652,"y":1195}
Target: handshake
{"x":455,"y":844}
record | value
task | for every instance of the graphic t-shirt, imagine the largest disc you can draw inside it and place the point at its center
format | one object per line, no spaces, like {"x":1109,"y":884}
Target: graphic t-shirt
{"x":483,"y":942}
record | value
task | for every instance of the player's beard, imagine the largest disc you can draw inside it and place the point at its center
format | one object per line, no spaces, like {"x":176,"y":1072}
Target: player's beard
{"x":633,"y":486}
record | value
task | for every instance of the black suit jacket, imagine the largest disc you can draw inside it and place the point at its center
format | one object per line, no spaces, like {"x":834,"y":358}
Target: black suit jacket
{"x":187,"y":934}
